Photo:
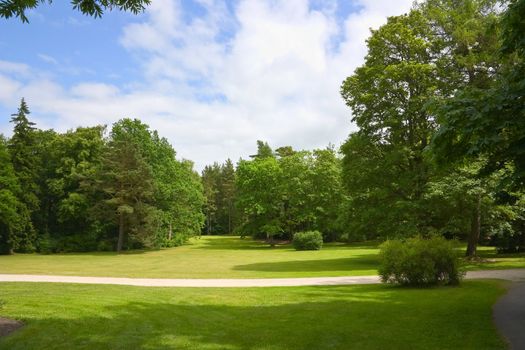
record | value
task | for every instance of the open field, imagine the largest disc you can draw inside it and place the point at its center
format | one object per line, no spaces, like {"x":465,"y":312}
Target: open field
{"x":60,"y":316}
{"x":223,"y":257}
{"x":208,"y":257}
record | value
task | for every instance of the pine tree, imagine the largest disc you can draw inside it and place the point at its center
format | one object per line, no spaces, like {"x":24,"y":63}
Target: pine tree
{"x":127,"y":179}
{"x":25,"y":163}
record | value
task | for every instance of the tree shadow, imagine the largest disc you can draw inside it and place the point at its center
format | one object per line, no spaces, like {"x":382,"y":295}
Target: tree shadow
{"x":356,"y":317}
{"x":234,"y":243}
{"x":358,"y":262}
{"x":237,"y":243}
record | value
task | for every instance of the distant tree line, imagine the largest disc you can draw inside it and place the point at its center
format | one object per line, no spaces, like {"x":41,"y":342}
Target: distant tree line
{"x":84,"y":190}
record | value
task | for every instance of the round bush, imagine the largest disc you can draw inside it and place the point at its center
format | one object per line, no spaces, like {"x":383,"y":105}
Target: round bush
{"x":308,"y":240}
{"x":419,"y":262}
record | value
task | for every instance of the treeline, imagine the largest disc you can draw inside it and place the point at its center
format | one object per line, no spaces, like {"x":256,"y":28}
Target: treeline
{"x":84,"y":191}
{"x":277,"y":193}
{"x":440,"y":149}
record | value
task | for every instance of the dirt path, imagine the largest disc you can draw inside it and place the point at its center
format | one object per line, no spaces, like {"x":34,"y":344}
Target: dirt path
{"x":511,"y":275}
{"x":8,"y":326}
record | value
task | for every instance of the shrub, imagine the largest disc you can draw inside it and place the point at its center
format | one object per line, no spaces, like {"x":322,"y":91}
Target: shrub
{"x":419,"y":262}
{"x":308,"y":240}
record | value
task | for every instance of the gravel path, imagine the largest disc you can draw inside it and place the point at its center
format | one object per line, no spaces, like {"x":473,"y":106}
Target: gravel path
{"x":511,"y":275}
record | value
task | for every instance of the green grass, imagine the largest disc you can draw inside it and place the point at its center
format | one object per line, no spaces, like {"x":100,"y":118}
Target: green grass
{"x":69,"y":316}
{"x":208,"y":257}
{"x":224,"y":257}
{"x":492,"y":260}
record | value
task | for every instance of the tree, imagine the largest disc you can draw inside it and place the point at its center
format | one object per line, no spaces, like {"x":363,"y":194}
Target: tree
{"x":175,"y":207}
{"x":263,"y":150}
{"x":126,"y":178}
{"x":297,"y":190}
{"x":414,"y":61}
{"x":228,"y":193}
{"x":387,"y":96}
{"x":489,"y":120}
{"x":69,"y":194}
{"x":260,"y":196}
{"x":188,"y":200}
{"x":95,"y":8}
{"x":15,"y":222}
{"x":219,"y":189}
{"x":327,"y":196}
{"x":210,"y":175}
{"x":25,"y":163}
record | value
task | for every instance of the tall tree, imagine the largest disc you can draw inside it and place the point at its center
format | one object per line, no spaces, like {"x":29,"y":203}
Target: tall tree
{"x":126,"y":179}
{"x":228,"y":193}
{"x":414,"y":61}
{"x":489,"y":120}
{"x":260,"y":197}
{"x":210,"y":178}
{"x":387,"y":96}
{"x":22,"y":146}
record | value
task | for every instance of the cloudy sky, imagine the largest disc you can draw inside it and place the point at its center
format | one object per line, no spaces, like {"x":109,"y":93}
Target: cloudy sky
{"x":212,"y":76}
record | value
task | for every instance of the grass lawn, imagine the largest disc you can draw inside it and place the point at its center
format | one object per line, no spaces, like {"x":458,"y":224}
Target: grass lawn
{"x":69,"y":316}
{"x":223,"y":257}
{"x":208,"y":257}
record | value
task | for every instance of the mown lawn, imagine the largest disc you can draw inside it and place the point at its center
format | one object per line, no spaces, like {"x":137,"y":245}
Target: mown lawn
{"x":224,"y":257}
{"x":208,"y":257}
{"x":68,"y":316}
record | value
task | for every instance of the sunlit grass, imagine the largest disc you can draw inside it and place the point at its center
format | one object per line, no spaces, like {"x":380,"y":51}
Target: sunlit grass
{"x":330,"y":317}
{"x":208,"y":257}
{"x":226,"y":257}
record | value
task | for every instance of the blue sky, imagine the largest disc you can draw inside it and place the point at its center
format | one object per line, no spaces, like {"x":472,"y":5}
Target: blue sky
{"x":212,"y":76}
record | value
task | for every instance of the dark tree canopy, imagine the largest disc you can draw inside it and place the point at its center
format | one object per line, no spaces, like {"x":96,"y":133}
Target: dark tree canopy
{"x":95,"y":8}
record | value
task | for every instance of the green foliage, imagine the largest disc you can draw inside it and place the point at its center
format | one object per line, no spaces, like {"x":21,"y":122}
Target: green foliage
{"x":15,"y":222}
{"x":290,"y":191}
{"x":78,"y":188}
{"x":419,"y":262}
{"x":219,"y":188}
{"x":401,"y":102}
{"x":489,"y":120}
{"x":24,"y":158}
{"x":95,"y":8}
{"x":308,"y":240}
{"x":259,"y":196}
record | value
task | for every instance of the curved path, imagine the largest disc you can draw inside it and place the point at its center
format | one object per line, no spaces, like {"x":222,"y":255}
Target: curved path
{"x":511,"y":275}
{"x":509,"y":315}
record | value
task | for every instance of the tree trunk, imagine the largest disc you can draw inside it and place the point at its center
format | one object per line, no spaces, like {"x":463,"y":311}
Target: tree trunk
{"x":120,"y":232}
{"x":170,"y":232}
{"x":475,"y":227}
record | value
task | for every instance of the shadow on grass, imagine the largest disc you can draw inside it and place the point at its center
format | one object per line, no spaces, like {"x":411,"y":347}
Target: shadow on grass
{"x":352,"y":318}
{"x":359,"y":262}
{"x":235,"y":243}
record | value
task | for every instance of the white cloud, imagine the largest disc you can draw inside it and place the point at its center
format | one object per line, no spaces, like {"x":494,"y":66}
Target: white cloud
{"x":47,"y":59}
{"x":214,"y":93}
{"x":14,"y":68}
